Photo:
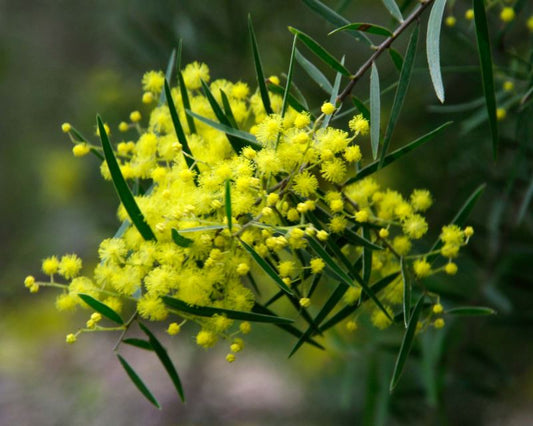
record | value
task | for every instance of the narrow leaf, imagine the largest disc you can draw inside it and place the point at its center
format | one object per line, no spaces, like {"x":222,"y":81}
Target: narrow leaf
{"x":320,"y":52}
{"x":393,"y":9}
{"x":291,"y":100}
{"x":397,"y":154}
{"x":313,"y":72}
{"x":401,"y":91}
{"x":227,"y":203}
{"x":180,"y":134}
{"x":102,"y":308}
{"x":471,"y":311}
{"x":397,"y":59}
{"x":227,"y":110}
{"x":138,"y":343}
{"x":406,"y":292}
{"x":485,"y":59}
{"x":407,"y":343}
{"x":162,"y":354}
{"x":266,"y":267}
{"x":168,"y":73}
{"x":375,"y":110}
{"x":203,"y":228}
{"x":138,"y":382}
{"x":433,"y":47}
{"x":333,"y":97}
{"x":360,"y":26}
{"x":180,"y":240}
{"x":246,"y":139}
{"x":259,"y":69}
{"x":208,"y":311}
{"x":124,"y":193}
{"x":289,"y":79}
{"x":367,"y":257}
{"x":186,"y":103}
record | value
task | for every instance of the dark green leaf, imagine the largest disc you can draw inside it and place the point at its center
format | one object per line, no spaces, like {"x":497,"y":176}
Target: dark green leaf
{"x":180,"y":133}
{"x":246,"y":139}
{"x":393,"y":9}
{"x":375,"y":110}
{"x":122,"y":188}
{"x":401,"y":91}
{"x":367,"y":257}
{"x":333,"y":97}
{"x":395,"y":155}
{"x":168,"y":73}
{"x":433,"y":47}
{"x":361,"y":107}
{"x":407,"y":343}
{"x":406,"y":292}
{"x":227,"y":203}
{"x":207,"y":311}
{"x":289,"y":79}
{"x":227,"y":110}
{"x":470,"y":311}
{"x":81,"y":138}
{"x":319,"y":51}
{"x":203,"y":228}
{"x":266,"y":267}
{"x":360,"y":26}
{"x":186,"y":103}
{"x":102,"y":308}
{"x":331,"y":16}
{"x":356,"y":239}
{"x":397,"y":59}
{"x":259,"y":69}
{"x":138,"y":343}
{"x":180,"y":240}
{"x":485,"y":59}
{"x":313,"y":72}
{"x":162,"y":354}
{"x":138,"y":382}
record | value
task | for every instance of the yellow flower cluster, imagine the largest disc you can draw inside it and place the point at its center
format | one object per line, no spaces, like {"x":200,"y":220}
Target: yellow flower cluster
{"x":286,"y":191}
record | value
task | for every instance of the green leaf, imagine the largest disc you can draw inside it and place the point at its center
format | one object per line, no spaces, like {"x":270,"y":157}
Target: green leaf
{"x":375,"y":110}
{"x":124,"y":193}
{"x":397,"y":154}
{"x":259,"y":69}
{"x":320,"y":52}
{"x":331,"y":16}
{"x":246,"y":138}
{"x":406,"y":292}
{"x":102,"y":308}
{"x":289,"y":79}
{"x":227,"y":110}
{"x":291,"y":100}
{"x":360,"y":26}
{"x":367,"y":256}
{"x":138,"y":343}
{"x":203,"y":228}
{"x":356,"y":239}
{"x":397,"y":59}
{"x":186,"y":103}
{"x":227,"y":203}
{"x":313,"y":72}
{"x":138,"y":382}
{"x":361,"y":107}
{"x":266,"y":267}
{"x":407,"y":343}
{"x":485,"y":59}
{"x":162,"y":354}
{"x":180,"y":134}
{"x":82,"y":138}
{"x":180,"y":240}
{"x":168,"y":73}
{"x":433,"y":47}
{"x":401,"y":91}
{"x":333,"y":97}
{"x":208,"y":311}
{"x":470,"y":311}
{"x":393,"y":9}
{"x":525,"y":203}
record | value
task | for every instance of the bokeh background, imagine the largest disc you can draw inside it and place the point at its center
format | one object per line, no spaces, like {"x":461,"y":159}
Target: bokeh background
{"x":67,"y":60}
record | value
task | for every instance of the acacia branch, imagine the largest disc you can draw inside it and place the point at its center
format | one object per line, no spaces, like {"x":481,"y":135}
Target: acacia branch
{"x":382,"y":47}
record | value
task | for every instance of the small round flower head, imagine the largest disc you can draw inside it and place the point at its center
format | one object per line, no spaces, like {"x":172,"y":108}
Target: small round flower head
{"x":380,"y":320}
{"x":452,"y":234}
{"x":327,"y":108}
{"x":152,"y":308}
{"x":317,"y":265}
{"x":66,"y":127}
{"x":237,"y":345}
{"x":469,"y":231}
{"x":269,"y":129}
{"x":415,"y":226}
{"x":29,"y":281}
{"x":450,"y":268}
{"x":302,"y":119}
{"x":240,"y":90}
{"x":422,"y":268}
{"x":71,"y":338}
{"x":352,"y":154}
{"x":230,"y":358}
{"x":305,"y":184}
{"x":243,"y":268}
{"x":272,"y":198}
{"x":153,"y":81}
{"x":402,"y":245}
{"x":338,"y":224}
{"x":305,"y":302}
{"x":438,"y":323}
{"x":501,"y":113}
{"x":530,"y":24}
{"x":206,"y":339}
{"x":194,"y":73}
{"x":351,"y":326}
{"x":147,"y":98}
{"x":421,"y":200}
{"x":469,"y":14}
{"x":383,"y":233}
{"x":50,"y":265}
{"x":450,"y":21}
{"x":359,"y":125}
{"x":69,"y":266}
{"x":334,"y":170}
{"x":123,"y":127}
{"x":286,"y":268}
{"x":135,"y":116}
{"x":245,"y":327}
{"x":80,"y":149}
{"x":507,"y":14}
{"x":274,"y":79}
{"x":508,"y":86}
{"x":438,"y":308}
{"x":352,"y":295}
{"x":173,"y":328}
{"x":322,"y":235}
{"x":362,"y":216}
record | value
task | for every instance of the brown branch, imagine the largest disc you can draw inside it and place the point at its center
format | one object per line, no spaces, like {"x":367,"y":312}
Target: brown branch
{"x":382,"y":47}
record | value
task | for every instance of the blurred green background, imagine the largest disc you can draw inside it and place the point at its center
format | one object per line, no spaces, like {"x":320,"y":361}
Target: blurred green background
{"x":67,"y":60}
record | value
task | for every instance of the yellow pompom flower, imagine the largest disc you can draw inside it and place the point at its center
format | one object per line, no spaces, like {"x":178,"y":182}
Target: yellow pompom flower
{"x":305,"y":302}
{"x":469,"y":231}
{"x":274,"y":79}
{"x":450,"y":21}
{"x":317,"y":265}
{"x":379,"y":319}
{"x":245,"y":327}
{"x":359,"y":125}
{"x":327,"y":108}
{"x":415,"y":226}
{"x":302,"y":119}
{"x":123,"y":127}
{"x":421,"y":268}
{"x":438,"y":308}
{"x":71,"y":338}
{"x":206,"y":339}
{"x":402,"y":245}
{"x":508,"y":86}
{"x":333,"y":171}
{"x":194,"y":73}
{"x":147,"y":98}
{"x":383,"y":233}
{"x":352,"y":295}
{"x":438,"y":323}
{"x":507,"y":14}
{"x":421,"y":200}
{"x":352,"y":154}
{"x":351,"y":326}
{"x":450,"y":268}
{"x":322,"y":235}
{"x":81,"y":149}
{"x":469,"y":14}
{"x":173,"y":328}
{"x":153,"y":81}
{"x":286,"y":268}
{"x":135,"y":116}
{"x":362,"y":216}
{"x":69,"y":266}
{"x":66,"y":127}
{"x":50,"y":265}
{"x":530,"y":24}
{"x":230,"y":358}
{"x":305,"y":184}
{"x":501,"y":113}
{"x":152,"y":308}
{"x":29,"y":281}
